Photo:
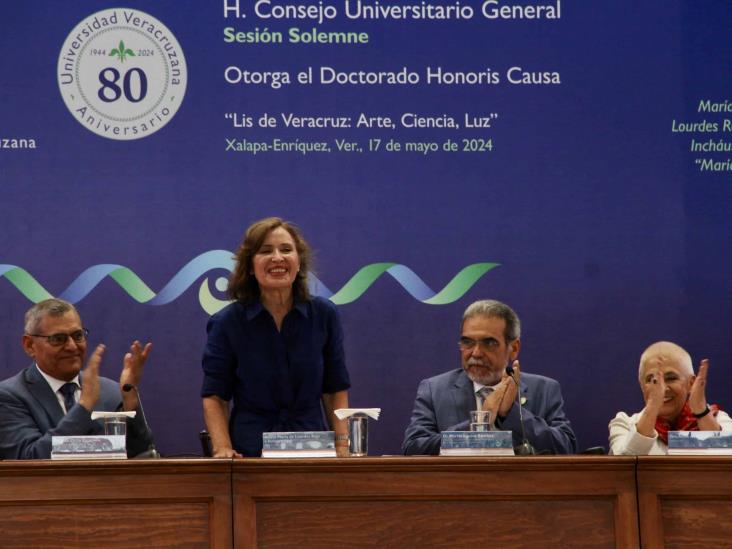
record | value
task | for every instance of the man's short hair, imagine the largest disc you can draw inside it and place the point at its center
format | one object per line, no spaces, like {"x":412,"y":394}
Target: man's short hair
{"x":47,"y":307}
{"x":666,"y":349}
{"x":493,"y":308}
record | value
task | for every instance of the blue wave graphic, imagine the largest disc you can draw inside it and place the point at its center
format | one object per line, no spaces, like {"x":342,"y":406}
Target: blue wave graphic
{"x":223,"y":260}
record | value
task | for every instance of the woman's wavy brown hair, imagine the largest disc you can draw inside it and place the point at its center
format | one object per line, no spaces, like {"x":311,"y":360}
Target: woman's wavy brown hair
{"x":243,"y":285}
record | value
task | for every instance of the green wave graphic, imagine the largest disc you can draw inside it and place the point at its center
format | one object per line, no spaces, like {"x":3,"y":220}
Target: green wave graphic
{"x":27,"y":285}
{"x":460,"y":283}
{"x":132,"y":284}
{"x":359,"y":283}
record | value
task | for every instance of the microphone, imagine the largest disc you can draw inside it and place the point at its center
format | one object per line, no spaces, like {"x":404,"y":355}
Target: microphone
{"x":151,"y":451}
{"x":525,"y":448}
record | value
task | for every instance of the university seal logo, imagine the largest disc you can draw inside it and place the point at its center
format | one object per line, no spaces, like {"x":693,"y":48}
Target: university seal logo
{"x":122,"y":74}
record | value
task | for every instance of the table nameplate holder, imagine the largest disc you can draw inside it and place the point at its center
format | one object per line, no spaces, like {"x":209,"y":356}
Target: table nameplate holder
{"x":476,"y":443}
{"x":88,"y":447}
{"x":298,"y":444}
{"x":700,"y":443}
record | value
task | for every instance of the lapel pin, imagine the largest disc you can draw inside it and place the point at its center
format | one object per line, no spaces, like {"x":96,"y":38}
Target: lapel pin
{"x":523,"y":401}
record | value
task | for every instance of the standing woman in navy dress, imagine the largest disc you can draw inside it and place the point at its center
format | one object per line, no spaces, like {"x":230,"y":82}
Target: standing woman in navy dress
{"x":276,"y":351}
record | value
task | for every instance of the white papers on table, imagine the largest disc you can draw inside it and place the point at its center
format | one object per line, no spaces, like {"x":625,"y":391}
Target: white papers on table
{"x":343,"y":413}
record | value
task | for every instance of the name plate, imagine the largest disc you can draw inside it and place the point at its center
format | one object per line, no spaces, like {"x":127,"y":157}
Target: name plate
{"x":89,"y":447}
{"x":298,"y":444}
{"x":702,"y":443}
{"x":476,"y":443}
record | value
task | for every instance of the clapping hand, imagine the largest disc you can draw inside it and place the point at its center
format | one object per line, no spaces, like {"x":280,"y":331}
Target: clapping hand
{"x":697,"y":396}
{"x":654,"y":389}
{"x":133,"y":365}
{"x":499,"y":402}
{"x":90,"y":388}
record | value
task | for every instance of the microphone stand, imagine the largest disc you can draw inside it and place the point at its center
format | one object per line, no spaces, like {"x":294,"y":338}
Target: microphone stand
{"x":525,"y":448}
{"x":151,"y":451}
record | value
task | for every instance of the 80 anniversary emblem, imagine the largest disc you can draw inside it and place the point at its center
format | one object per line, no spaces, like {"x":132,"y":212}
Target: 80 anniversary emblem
{"x":122,"y":74}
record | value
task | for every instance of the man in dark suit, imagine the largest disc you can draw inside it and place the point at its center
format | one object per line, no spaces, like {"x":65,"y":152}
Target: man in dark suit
{"x":54,"y":397}
{"x":490,"y":341}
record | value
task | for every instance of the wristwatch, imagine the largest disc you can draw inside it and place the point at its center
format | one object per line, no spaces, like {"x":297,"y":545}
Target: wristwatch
{"x":705,"y":412}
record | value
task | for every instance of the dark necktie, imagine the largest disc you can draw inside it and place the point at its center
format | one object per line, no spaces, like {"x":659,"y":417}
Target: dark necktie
{"x":68,"y":390}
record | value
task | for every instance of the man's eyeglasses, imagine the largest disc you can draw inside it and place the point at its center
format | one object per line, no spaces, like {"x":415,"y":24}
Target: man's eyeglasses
{"x":60,"y":339}
{"x":488,"y":343}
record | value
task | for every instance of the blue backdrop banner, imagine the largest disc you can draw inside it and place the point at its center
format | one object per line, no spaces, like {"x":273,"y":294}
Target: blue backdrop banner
{"x":570,"y":158}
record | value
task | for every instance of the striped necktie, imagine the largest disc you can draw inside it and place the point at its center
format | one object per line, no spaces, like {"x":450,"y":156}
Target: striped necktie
{"x":482,"y":394}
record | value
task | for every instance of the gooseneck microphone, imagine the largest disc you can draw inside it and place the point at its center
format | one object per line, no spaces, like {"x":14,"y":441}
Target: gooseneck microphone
{"x":151,"y":451}
{"x":525,"y":448}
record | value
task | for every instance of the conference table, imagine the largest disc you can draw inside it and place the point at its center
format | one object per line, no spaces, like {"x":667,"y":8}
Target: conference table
{"x":388,"y":501}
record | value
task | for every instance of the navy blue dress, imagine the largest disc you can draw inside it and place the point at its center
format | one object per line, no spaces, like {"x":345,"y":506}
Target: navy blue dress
{"x":276,"y":379}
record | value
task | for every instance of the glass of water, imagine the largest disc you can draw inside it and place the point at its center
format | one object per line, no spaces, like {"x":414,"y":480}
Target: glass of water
{"x":480,"y":420}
